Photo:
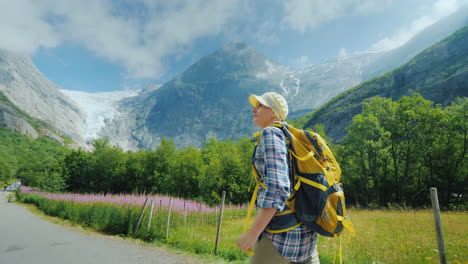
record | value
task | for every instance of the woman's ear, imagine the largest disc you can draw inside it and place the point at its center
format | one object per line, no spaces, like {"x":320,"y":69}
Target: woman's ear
{"x":273,"y":116}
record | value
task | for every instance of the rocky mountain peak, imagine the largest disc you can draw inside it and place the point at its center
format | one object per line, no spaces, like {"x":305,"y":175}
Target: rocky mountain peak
{"x":232,"y":60}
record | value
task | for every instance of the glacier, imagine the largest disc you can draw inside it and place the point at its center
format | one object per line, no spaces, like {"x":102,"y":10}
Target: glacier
{"x":99,"y":108}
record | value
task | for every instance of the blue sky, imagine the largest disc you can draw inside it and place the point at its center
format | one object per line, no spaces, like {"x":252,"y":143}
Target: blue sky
{"x":108,"y":45}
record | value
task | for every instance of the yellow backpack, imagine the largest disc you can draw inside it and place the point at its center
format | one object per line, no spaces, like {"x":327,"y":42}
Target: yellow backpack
{"x":317,"y":199}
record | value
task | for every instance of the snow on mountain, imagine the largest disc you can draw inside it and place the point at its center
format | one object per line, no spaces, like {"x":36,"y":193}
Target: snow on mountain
{"x":99,"y":108}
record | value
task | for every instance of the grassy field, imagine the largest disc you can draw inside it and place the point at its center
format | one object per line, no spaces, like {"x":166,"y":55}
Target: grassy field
{"x":382,"y":236}
{"x":402,"y":237}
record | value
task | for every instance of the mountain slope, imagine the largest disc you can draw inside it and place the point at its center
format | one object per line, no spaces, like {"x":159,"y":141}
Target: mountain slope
{"x":439,"y":73}
{"x":13,"y":118}
{"x":27,"y":88}
{"x":208,"y":99}
{"x":426,"y":38}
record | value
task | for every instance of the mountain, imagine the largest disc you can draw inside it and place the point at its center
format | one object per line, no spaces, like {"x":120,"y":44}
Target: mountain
{"x":13,"y":118}
{"x":429,"y":36}
{"x":439,"y":73}
{"x":29,"y":90}
{"x":210,"y":97}
{"x":317,"y":84}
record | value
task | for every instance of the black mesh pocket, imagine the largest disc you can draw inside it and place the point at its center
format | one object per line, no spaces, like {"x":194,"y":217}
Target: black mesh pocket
{"x":311,"y":200}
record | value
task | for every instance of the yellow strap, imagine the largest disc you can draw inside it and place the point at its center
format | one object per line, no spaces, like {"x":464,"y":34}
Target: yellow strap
{"x":283,"y":230}
{"x":252,"y":203}
{"x":341,"y":252}
{"x":306,"y":157}
{"x":251,"y":206}
{"x":285,"y":212}
{"x":349,"y":225}
{"x":249,"y":213}
{"x":334,"y":251}
{"x":298,"y":184}
{"x":309,"y":182}
{"x":254,"y":195}
{"x":257,"y":178}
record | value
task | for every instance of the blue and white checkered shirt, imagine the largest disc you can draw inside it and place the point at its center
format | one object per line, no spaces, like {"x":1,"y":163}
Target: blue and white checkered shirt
{"x":271,"y":162}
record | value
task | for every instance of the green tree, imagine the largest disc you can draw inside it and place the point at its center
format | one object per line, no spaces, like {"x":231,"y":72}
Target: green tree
{"x":450,"y":162}
{"x":5,"y":171}
{"x":392,"y":149}
{"x":186,"y":180}
{"x":108,"y":168}
{"x":163,"y":161}
{"x":78,"y":170}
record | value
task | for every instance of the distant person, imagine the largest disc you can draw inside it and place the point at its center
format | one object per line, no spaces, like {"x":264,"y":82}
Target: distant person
{"x":5,"y":187}
{"x":297,"y":244}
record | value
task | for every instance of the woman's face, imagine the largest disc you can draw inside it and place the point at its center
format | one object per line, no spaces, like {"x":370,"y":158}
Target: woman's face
{"x":263,"y":115}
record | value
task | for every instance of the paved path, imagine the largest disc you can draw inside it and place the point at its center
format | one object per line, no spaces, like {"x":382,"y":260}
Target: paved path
{"x":25,"y":238}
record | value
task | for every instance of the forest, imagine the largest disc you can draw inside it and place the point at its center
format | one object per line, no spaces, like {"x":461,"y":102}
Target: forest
{"x":393,"y":153}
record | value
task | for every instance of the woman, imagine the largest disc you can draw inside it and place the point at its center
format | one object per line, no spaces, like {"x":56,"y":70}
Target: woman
{"x":297,"y":245}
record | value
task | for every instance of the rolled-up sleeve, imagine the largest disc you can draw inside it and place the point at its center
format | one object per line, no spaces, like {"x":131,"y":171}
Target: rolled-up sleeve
{"x":271,"y":157}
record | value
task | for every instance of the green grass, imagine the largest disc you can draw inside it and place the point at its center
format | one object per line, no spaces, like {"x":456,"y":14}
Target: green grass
{"x":401,"y":237}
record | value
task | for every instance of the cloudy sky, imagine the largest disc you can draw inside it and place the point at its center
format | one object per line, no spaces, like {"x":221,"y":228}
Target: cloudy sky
{"x":107,"y":45}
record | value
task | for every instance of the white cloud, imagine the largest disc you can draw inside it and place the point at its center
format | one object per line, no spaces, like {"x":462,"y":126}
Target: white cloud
{"x":22,"y":28}
{"x":304,"y":15}
{"x":302,"y":62}
{"x":439,"y":10}
{"x":142,"y":35}
{"x":141,"y":44}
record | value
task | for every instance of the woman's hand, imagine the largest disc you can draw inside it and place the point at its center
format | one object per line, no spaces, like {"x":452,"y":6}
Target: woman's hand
{"x":247,"y":241}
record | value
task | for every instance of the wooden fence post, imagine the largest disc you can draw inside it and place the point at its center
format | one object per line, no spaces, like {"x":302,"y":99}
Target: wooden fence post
{"x":141,"y":216}
{"x":219,"y":223}
{"x":185,"y":214}
{"x":151,"y":214}
{"x":438,"y":226}
{"x":215,"y":214}
{"x":168,"y":217}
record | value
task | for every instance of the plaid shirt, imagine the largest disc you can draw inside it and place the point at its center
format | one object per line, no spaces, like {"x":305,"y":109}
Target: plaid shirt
{"x":271,"y":162}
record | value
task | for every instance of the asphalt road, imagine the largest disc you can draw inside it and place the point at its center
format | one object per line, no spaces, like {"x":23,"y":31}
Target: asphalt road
{"x":26,"y":238}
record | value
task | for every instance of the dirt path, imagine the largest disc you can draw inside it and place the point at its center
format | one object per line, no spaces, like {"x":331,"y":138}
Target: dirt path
{"x":25,"y":238}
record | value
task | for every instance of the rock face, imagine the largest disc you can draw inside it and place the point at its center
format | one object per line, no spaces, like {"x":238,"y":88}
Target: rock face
{"x":210,"y":98}
{"x":439,"y":73}
{"x":12,"y":118}
{"x":32,"y":92}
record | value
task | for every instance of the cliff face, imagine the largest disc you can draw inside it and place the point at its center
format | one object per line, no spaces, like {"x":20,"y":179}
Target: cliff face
{"x":209,"y":99}
{"x":12,"y":118}
{"x":440,"y":74}
{"x":25,"y":86}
